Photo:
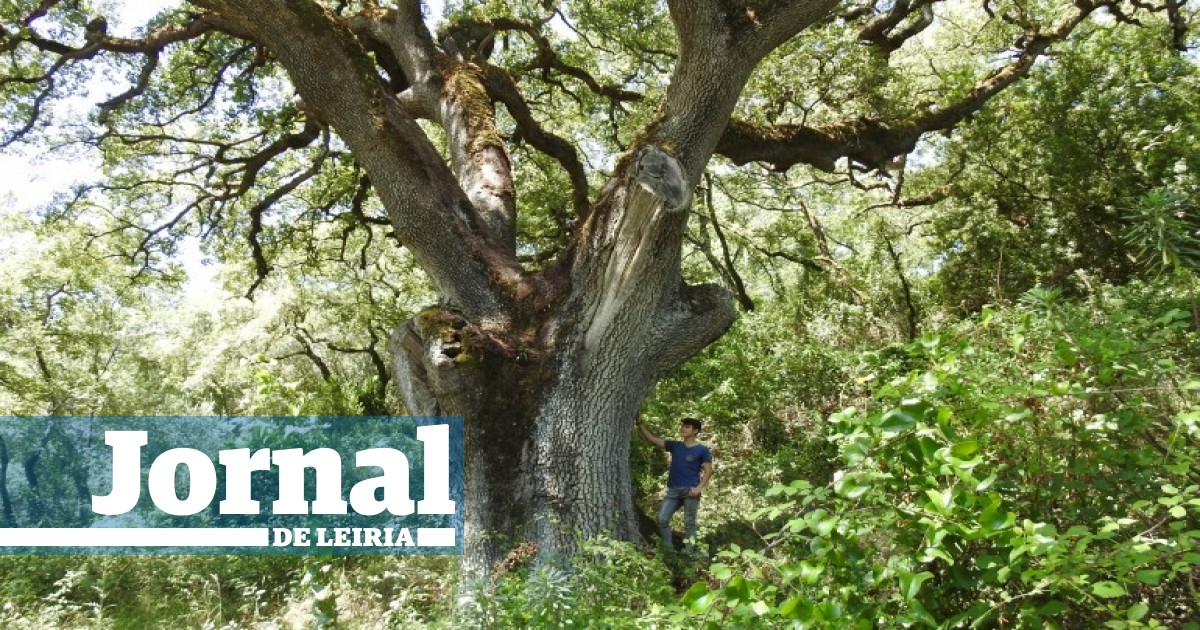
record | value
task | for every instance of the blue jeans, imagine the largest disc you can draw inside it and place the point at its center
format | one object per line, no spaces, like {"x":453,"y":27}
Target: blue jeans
{"x":676,"y":498}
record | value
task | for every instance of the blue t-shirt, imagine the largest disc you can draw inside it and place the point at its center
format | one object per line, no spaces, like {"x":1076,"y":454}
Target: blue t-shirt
{"x":685,"y":463}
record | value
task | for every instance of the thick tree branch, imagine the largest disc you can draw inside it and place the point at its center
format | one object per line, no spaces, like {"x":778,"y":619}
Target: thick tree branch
{"x":96,"y":41}
{"x":502,"y":88}
{"x":139,"y":87}
{"x":878,"y":31}
{"x":708,"y":79}
{"x":696,"y":21}
{"x":933,"y":197}
{"x":255,"y":162}
{"x":453,"y":90}
{"x":209,"y":190}
{"x":790,"y":257}
{"x":913,"y":316}
{"x":765,"y":30}
{"x":699,"y":316}
{"x":827,"y":253}
{"x":1179,"y":25}
{"x":475,"y":38}
{"x":630,"y":245}
{"x":432,"y":216}
{"x":483,"y":167}
{"x":724,"y":267}
{"x":874,"y":143}
{"x":154,"y":42}
{"x":717,"y":53}
{"x":739,"y":286}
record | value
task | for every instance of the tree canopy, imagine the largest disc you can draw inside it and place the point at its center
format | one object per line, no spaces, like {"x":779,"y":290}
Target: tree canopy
{"x":203,"y":132}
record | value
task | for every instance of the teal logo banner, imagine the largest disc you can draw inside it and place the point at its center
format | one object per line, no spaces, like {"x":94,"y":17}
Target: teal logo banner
{"x":231,"y":485}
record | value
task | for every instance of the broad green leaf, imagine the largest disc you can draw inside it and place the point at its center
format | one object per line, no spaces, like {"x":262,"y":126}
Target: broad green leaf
{"x":964,"y":449}
{"x":897,"y":420}
{"x":1108,"y":590}
{"x":910,"y":583}
{"x":994,"y":519}
{"x":810,"y":572}
{"x":1149,"y":576}
{"x":922,"y":614}
{"x":798,"y":608}
{"x":850,"y":487}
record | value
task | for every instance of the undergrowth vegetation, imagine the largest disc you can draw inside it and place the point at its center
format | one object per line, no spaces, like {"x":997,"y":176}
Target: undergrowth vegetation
{"x":1031,"y":466}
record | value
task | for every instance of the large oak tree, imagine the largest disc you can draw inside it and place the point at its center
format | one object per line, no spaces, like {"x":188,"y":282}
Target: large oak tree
{"x":559,"y":310}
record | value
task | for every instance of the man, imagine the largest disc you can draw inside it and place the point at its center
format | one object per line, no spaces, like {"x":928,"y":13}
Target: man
{"x":691,"y":467}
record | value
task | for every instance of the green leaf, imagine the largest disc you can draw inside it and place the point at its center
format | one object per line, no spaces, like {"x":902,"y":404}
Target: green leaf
{"x":1149,"y":576}
{"x":910,"y":583}
{"x":738,"y":589}
{"x":849,"y":487}
{"x":937,"y":553}
{"x":1137,"y":611}
{"x":964,"y":449}
{"x":810,"y":572}
{"x":922,"y":615}
{"x":702,"y":603}
{"x":994,"y":519}
{"x":1108,"y":590}
{"x":798,"y":608}
{"x":1052,"y":608}
{"x":986,"y":483}
{"x":897,"y":420}
{"x":938,"y":500}
{"x":928,"y":447}
{"x":696,"y":592}
{"x":720,"y":571}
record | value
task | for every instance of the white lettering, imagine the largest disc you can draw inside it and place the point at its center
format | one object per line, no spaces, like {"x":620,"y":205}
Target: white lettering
{"x":281,"y":536}
{"x":393,"y":482}
{"x":328,"y":466}
{"x":238,"y":465}
{"x":437,"y":470}
{"x":202,"y":479}
{"x":126,"y":473}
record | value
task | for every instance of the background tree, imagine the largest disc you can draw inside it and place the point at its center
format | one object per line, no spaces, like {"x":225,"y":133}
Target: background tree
{"x":276,"y":126}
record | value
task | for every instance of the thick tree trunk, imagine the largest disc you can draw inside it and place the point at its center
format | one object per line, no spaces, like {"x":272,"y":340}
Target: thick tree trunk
{"x":549,"y":396}
{"x":547,"y":455}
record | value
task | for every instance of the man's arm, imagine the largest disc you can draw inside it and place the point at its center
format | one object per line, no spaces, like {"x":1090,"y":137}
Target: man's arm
{"x":705,"y":473}
{"x":648,"y":436}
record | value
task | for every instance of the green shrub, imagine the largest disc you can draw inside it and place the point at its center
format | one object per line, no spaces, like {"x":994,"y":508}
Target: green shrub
{"x":1033,"y":467}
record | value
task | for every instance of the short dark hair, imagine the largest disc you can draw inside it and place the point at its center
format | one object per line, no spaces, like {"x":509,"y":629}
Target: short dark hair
{"x":692,"y":422}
